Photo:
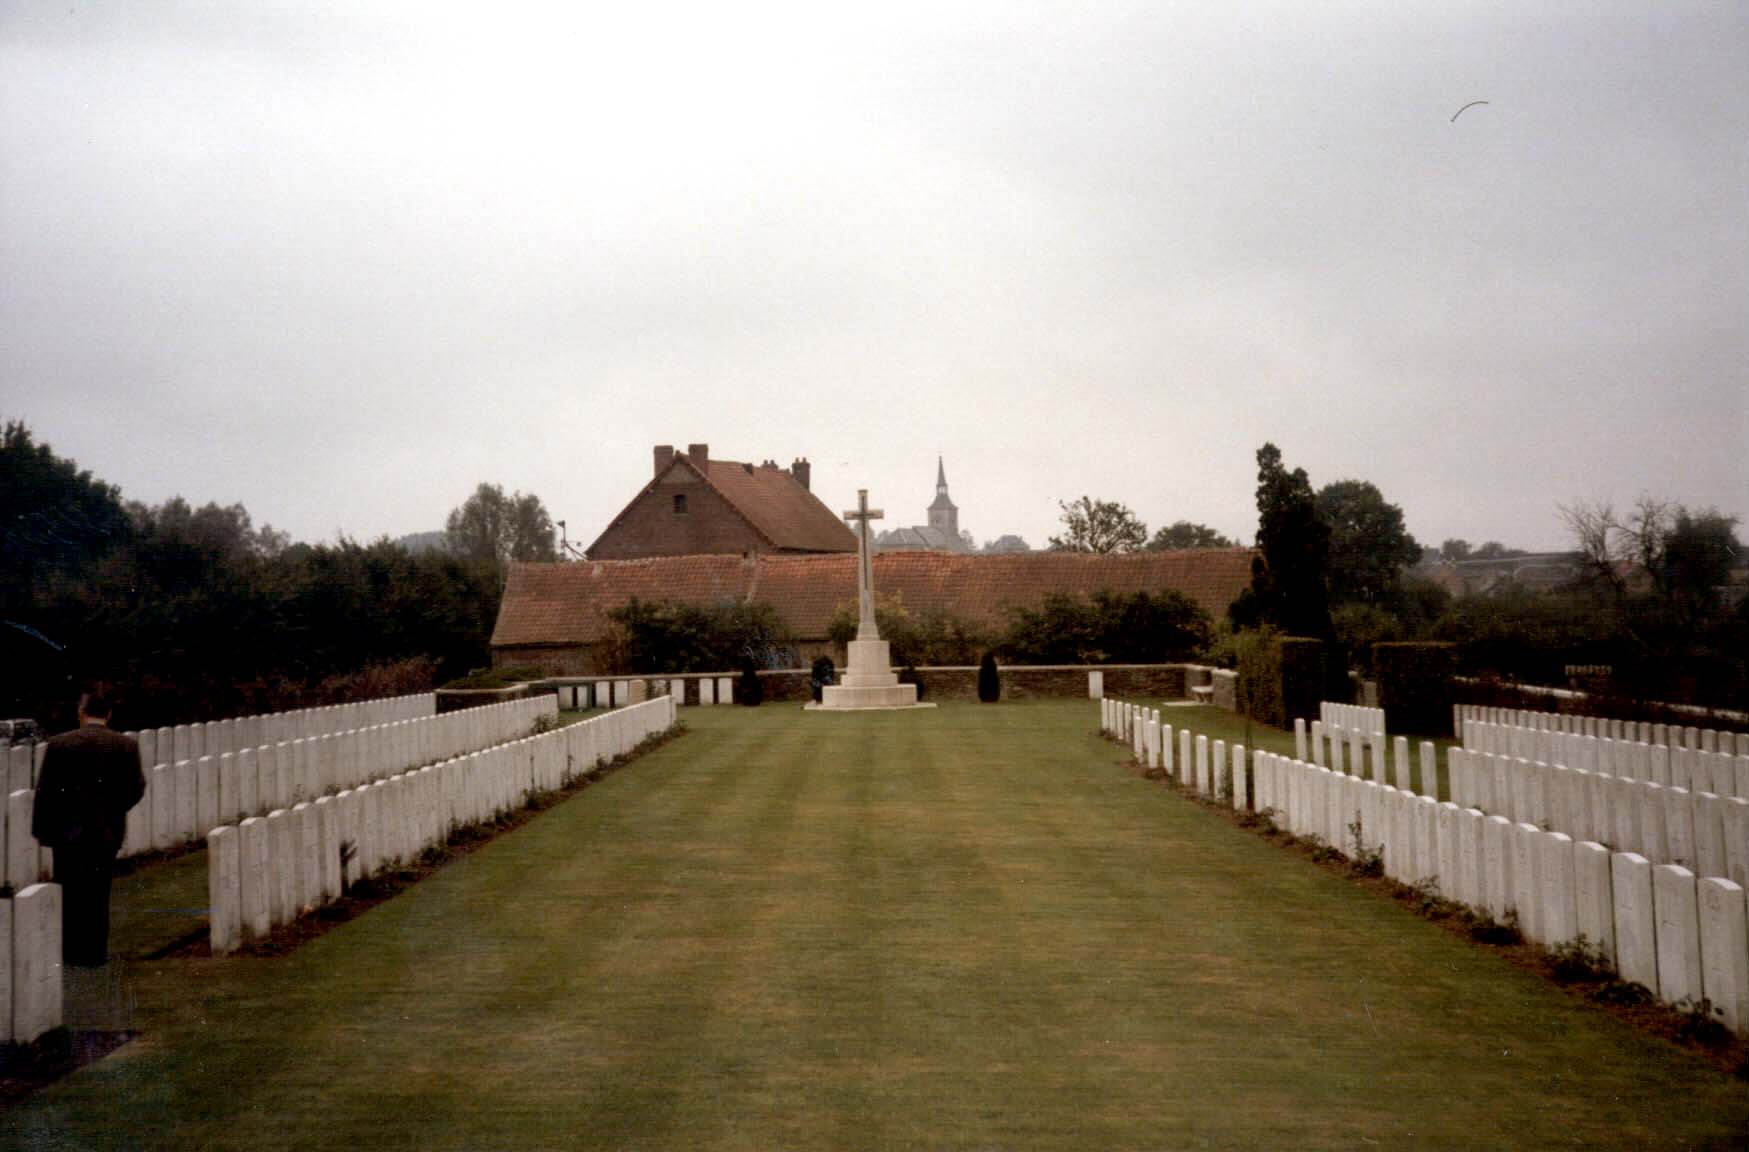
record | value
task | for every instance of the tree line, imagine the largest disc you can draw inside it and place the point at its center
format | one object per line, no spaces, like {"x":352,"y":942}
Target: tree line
{"x":1650,"y":601}
{"x":197,"y":612}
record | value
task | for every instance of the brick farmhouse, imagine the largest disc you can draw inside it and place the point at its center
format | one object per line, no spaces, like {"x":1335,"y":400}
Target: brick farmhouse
{"x":554,"y":614}
{"x":698,"y":506}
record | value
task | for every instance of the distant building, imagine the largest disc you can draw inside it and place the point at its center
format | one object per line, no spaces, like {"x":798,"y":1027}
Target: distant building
{"x":941,"y":534}
{"x":694,"y":505}
{"x":553,"y":615}
{"x":1530,"y":570}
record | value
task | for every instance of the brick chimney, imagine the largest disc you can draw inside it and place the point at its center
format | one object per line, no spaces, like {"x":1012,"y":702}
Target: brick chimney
{"x":802,"y":471}
{"x":699,"y":454}
{"x":664,"y":457}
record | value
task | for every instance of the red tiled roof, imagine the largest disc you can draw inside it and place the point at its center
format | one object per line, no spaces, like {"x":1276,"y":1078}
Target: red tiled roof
{"x":772,"y":501}
{"x":776,"y":504}
{"x":568,"y":603}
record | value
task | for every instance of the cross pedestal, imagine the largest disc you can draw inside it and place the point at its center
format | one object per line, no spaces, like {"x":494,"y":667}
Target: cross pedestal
{"x":868,"y":682}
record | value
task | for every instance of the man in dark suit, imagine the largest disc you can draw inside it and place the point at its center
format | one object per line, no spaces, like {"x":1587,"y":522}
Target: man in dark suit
{"x":90,"y":778}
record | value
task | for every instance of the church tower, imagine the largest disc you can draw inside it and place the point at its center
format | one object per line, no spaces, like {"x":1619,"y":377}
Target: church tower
{"x":943,"y":516}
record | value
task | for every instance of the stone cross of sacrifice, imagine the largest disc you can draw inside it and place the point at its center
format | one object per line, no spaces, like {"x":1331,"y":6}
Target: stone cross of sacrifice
{"x":862,"y":514}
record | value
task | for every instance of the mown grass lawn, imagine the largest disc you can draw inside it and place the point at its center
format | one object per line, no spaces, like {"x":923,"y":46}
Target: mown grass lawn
{"x":966,"y":928}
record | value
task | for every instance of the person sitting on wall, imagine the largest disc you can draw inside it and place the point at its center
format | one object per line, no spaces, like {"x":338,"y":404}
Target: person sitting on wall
{"x":90,"y":778}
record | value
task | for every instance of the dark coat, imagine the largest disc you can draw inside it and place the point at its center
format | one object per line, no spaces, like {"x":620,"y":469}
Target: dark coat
{"x":90,"y":778}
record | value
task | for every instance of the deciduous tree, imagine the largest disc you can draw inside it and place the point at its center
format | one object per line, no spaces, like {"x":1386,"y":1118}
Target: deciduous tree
{"x":1369,"y":546}
{"x":1182,"y":534}
{"x":492,"y":526}
{"x":1099,"y":526}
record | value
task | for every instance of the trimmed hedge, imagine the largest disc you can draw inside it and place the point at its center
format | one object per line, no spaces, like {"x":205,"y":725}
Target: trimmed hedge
{"x":1303,"y":678}
{"x":1259,"y":666}
{"x":1416,"y":686}
{"x":989,"y":683}
{"x":1280,"y":677}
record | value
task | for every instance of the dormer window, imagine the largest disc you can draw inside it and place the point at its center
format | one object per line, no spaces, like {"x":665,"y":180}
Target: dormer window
{"x":680,"y":503}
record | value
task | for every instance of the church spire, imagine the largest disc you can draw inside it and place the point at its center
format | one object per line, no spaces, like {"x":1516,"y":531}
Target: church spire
{"x":943,"y":516}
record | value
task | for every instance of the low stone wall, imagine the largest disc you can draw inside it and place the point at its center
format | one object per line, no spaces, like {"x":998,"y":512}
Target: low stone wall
{"x":949,"y":682}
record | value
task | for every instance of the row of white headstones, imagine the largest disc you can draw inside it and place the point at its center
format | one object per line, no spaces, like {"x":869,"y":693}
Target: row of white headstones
{"x":1529,"y":725}
{"x":267,"y":871}
{"x":206,"y":791}
{"x":1685,"y":937}
{"x":1673,"y":806}
{"x":183,"y":798}
{"x":583,"y":694}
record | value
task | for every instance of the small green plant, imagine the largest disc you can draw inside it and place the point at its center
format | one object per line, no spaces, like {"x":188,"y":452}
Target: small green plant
{"x":543,"y":723}
{"x":1363,"y":860}
{"x":1699,"y":1023}
{"x":1484,"y":929}
{"x":1626,"y":993}
{"x":1581,"y":961}
{"x":1427,"y":899}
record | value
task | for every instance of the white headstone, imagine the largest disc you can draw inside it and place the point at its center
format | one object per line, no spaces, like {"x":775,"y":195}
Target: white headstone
{"x":255,"y":899}
{"x":1724,"y":951}
{"x":1675,"y":902}
{"x":1496,"y":858}
{"x":1594,"y":902}
{"x":224,"y":889}
{"x":36,"y":961}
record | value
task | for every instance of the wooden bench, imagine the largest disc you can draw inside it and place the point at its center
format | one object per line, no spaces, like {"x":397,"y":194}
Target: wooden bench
{"x":1203,"y":693}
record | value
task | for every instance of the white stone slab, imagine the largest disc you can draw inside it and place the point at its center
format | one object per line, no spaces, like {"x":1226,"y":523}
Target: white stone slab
{"x":327,"y":816}
{"x":224,"y":889}
{"x":1654,"y":844}
{"x":1557,"y":915}
{"x":255,"y":900}
{"x":187,"y":800}
{"x":1724,"y":951}
{"x":1526,"y":879}
{"x":1425,"y":814}
{"x":1675,"y":902}
{"x":1496,"y":866}
{"x":1709,"y":835}
{"x":1593,"y":900}
{"x":36,"y":961}
{"x":1636,"y":948}
{"x":282,"y":863}
{"x":21,"y":848}
{"x":1679,"y":827}
{"x":1736,"y":819}
{"x":5,"y":971}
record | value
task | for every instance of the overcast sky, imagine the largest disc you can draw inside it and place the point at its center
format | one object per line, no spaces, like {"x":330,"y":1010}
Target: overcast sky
{"x":343,"y":262}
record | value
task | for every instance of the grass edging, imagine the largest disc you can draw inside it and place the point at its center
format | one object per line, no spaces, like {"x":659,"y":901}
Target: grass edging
{"x":367,"y":893}
{"x":1574,"y":968}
